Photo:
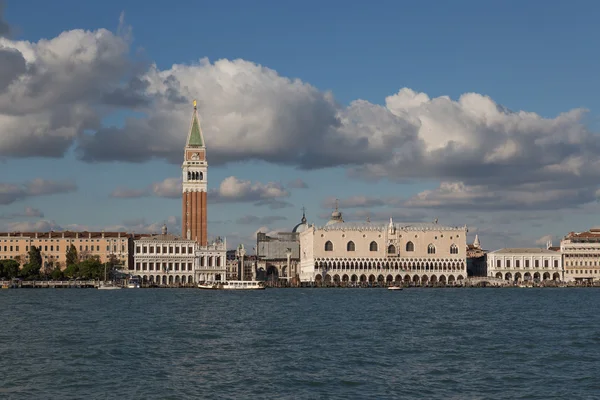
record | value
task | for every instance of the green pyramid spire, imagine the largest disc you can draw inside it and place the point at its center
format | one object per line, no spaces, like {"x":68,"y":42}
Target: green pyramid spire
{"x":195,"y":136}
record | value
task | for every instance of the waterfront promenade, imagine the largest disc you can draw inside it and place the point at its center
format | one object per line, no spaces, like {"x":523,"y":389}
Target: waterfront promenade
{"x":467,"y":283}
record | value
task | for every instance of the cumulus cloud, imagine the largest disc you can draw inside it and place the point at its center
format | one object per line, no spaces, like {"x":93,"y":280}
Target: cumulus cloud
{"x":235,"y":190}
{"x":42,"y":225}
{"x":525,"y":196}
{"x":54,"y":90}
{"x":231,"y":190}
{"x":170,"y":188}
{"x":254,"y":220}
{"x":27,"y":212}
{"x":11,"y":192}
{"x":51,"y":90}
{"x":544,"y":239}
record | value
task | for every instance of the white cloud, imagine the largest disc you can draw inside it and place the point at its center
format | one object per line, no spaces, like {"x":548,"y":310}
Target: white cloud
{"x":51,"y":91}
{"x":12,"y":192}
{"x":235,"y":190}
{"x":33,"y":226}
{"x":544,"y":239}
{"x":170,"y":188}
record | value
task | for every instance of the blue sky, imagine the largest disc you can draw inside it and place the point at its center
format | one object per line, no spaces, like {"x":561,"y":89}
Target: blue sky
{"x":538,"y":57}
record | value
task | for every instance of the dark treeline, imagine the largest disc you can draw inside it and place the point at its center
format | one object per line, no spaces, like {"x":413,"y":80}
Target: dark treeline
{"x":89,"y":268}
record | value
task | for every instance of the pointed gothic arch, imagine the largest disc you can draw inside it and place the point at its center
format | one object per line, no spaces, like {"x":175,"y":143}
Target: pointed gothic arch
{"x":391,"y":249}
{"x":410,"y":246}
{"x":453,"y":249}
{"x":431,"y":249}
{"x":328,"y":246}
{"x":373,"y":246}
{"x":350,"y":246}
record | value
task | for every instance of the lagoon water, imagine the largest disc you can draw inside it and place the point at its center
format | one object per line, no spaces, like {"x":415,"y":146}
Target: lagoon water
{"x":300,"y":344}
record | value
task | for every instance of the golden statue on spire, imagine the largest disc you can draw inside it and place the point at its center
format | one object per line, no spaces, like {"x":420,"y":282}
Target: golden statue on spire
{"x":194,"y":104}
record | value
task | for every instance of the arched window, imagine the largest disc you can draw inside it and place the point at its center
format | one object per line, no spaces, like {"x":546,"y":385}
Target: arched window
{"x":431,"y":249}
{"x":373,"y":246}
{"x":350,"y":246}
{"x":189,"y":176}
{"x":391,"y":249}
{"x":410,"y":246}
{"x":328,"y":246}
{"x":201,"y":175}
{"x":196,"y":175}
{"x":453,"y":249}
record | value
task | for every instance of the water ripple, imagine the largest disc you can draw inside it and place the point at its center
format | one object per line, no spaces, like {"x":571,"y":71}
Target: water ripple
{"x":300,"y":344}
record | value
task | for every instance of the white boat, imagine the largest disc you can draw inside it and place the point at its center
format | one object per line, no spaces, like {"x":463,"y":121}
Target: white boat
{"x":134,"y":283}
{"x":394,"y":288}
{"x":108,"y":286}
{"x":232,"y":285}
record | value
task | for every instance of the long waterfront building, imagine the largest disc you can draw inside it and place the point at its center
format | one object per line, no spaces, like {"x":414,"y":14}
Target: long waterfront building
{"x":369,"y":252}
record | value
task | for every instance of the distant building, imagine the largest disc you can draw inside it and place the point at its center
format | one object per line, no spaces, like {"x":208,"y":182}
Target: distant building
{"x":278,"y":255}
{"x":54,"y":246}
{"x":524,"y":264}
{"x":476,"y":259}
{"x":581,"y":255}
{"x":167,"y":259}
{"x":382,"y":253}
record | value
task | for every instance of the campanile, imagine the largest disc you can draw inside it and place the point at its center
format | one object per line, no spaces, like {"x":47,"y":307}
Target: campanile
{"x":194,"y":168}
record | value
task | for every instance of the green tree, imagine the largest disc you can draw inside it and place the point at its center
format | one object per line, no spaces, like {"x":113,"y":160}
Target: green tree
{"x":31,"y":270}
{"x":57,"y":274}
{"x":91,"y":268}
{"x":72,"y":271}
{"x":71,"y":255}
{"x":10,"y":269}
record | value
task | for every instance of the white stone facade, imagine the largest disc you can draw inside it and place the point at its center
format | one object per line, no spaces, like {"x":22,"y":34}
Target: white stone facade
{"x":170,"y":260}
{"x":524,"y":264}
{"x":383,"y":253}
{"x":581,"y":256}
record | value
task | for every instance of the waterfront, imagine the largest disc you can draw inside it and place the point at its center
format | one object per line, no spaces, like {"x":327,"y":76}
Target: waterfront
{"x":303,"y":343}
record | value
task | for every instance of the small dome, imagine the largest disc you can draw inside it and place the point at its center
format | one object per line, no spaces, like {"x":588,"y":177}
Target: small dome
{"x":303,"y":225}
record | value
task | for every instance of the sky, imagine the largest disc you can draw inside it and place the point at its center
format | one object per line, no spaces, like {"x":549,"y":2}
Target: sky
{"x":482,"y":114}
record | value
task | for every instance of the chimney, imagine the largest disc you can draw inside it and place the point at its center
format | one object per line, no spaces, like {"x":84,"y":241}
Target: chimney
{"x":8,"y":234}
{"x":76,"y":235}
{"x":102,"y":233}
{"x":36,"y":235}
{"x":89,"y":235}
{"x":119,"y":235}
{"x":63,"y":235}
{"x":50,"y":235}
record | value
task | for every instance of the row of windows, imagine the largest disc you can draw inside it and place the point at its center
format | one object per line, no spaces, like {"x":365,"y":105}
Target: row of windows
{"x":581,"y":271}
{"x":164,"y":267}
{"x":581,"y":263}
{"x":518,"y":264}
{"x":164,"y":250}
{"x":195,"y":176}
{"x":373,"y":246}
{"x":57,"y":248}
{"x":67,"y":240}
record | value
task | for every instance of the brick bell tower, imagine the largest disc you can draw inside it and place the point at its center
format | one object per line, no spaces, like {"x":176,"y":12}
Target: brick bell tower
{"x":194,"y":168}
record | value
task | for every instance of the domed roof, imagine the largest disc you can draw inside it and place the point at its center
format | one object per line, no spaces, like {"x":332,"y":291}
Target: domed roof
{"x":302,"y":226}
{"x":336,"y":216}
